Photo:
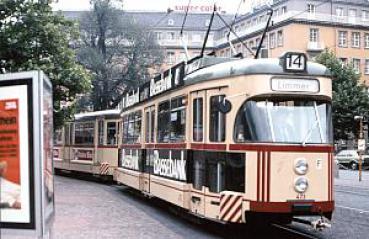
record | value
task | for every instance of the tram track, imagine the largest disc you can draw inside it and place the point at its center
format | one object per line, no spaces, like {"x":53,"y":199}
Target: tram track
{"x":295,"y":233}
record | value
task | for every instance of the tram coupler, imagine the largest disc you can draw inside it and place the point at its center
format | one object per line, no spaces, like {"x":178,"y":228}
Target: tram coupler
{"x":317,"y":225}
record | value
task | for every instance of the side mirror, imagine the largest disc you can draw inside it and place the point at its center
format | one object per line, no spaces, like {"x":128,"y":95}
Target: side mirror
{"x":224,"y":106}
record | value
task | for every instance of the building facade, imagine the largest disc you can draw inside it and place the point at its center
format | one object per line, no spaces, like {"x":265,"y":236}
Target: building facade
{"x":309,"y":26}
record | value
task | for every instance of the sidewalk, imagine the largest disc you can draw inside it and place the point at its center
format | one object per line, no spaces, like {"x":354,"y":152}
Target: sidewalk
{"x":351,"y":178}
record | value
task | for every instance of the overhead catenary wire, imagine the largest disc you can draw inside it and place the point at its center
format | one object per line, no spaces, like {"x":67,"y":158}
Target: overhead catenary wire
{"x":227,"y":25}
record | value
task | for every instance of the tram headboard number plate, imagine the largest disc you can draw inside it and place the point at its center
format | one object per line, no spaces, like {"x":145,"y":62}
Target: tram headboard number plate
{"x":294,"y":62}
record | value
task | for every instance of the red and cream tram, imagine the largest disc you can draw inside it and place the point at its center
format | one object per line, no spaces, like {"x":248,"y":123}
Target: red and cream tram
{"x":89,"y":144}
{"x":230,"y":139}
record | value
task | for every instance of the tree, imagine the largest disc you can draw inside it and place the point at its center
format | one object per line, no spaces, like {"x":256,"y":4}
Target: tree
{"x":350,"y":97}
{"x":32,"y":37}
{"x":118,"y":52}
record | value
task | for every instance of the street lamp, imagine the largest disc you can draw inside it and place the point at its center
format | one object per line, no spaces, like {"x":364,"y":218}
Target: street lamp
{"x":360,"y":144}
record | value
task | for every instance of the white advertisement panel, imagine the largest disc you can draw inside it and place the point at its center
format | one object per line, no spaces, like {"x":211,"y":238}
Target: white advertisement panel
{"x":16,"y":155}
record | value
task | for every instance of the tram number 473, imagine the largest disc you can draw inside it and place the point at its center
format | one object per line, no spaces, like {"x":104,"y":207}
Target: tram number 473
{"x":295,"y":62}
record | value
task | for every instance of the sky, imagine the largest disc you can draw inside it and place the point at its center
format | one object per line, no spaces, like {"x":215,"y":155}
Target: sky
{"x":230,"y":6}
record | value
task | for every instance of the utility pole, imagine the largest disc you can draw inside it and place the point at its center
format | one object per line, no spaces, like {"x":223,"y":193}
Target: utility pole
{"x":360,"y":144}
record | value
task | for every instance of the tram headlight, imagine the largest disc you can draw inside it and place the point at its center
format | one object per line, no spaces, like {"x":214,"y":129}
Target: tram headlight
{"x":301,"y":166}
{"x":301,"y":184}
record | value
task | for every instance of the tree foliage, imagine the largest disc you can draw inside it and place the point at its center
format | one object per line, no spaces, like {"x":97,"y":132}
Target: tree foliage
{"x":350,"y":96}
{"x":32,"y":37}
{"x":117,"y":51}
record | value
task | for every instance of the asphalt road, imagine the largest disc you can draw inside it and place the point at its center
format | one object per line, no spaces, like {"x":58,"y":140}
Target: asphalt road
{"x":86,"y":209}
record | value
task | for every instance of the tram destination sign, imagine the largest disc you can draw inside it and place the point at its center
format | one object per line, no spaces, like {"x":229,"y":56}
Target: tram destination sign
{"x":295,"y":85}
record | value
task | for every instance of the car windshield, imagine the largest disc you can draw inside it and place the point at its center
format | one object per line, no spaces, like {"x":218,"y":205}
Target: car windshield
{"x":284,"y":121}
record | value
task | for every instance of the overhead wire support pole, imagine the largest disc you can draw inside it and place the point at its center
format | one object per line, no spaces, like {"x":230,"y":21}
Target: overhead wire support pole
{"x":227,"y":25}
{"x":270,"y":13}
{"x":208,"y":31}
{"x":229,"y":32}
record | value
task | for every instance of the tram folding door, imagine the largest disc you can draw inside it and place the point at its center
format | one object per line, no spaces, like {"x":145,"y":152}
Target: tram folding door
{"x":198,"y":132}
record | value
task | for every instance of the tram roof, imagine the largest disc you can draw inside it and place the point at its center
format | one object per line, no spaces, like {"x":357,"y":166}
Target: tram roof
{"x":269,"y":66}
{"x":206,"y":68}
{"x":94,"y":114}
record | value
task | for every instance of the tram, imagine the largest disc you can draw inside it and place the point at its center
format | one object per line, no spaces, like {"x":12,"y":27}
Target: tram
{"x":233,"y":140}
{"x":89,"y":144}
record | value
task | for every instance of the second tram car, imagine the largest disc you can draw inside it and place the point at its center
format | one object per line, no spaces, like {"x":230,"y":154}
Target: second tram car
{"x":229,"y":140}
{"x":89,"y":144}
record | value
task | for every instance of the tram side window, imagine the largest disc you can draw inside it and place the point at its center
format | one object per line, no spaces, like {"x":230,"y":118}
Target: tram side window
{"x":149,"y":125}
{"x":111,"y":133}
{"x":137,"y":127}
{"x":164,"y":122}
{"x":177,"y":119}
{"x":84,"y":133}
{"x":217,"y":120}
{"x":242,"y":131}
{"x":125,"y":129}
{"x":101,"y":132}
{"x":198,"y":129}
{"x":132,"y":128}
{"x":152,"y":125}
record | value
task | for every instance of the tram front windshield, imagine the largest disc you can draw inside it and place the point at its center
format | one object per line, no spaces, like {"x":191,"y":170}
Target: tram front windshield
{"x":284,"y":121}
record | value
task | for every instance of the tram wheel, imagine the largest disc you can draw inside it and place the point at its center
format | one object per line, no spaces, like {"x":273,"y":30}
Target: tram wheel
{"x":353,"y":166}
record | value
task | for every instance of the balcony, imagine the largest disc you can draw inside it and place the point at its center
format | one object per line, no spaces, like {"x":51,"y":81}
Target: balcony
{"x":315,"y":46}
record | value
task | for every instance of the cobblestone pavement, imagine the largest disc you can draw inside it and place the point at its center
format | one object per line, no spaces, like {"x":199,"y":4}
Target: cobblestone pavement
{"x":86,"y":209}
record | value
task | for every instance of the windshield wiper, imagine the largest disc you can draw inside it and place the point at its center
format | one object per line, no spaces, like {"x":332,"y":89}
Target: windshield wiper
{"x":316,"y":123}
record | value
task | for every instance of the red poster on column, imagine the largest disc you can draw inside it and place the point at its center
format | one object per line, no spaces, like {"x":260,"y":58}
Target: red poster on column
{"x":9,"y":140}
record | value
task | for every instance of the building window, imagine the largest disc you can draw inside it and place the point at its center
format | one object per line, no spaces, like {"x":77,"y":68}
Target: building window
{"x":217,"y":120}
{"x":280,"y":38}
{"x":366,"y":39}
{"x":311,"y":9}
{"x":314,"y":35}
{"x":236,"y":28}
{"x":339,"y":12}
{"x":367,"y":67}
{"x":352,"y":14}
{"x":356,"y":65}
{"x":365,"y":15}
{"x":284,"y":10}
{"x":272,"y":40}
{"x":343,"y":61}
{"x":196,"y":38}
{"x":170,"y":57}
{"x":207,"y":22}
{"x":356,"y":39}
{"x":171,"y":36}
{"x":159,"y":36}
{"x":170,"y":22}
{"x":342,"y":39}
{"x":198,"y":126}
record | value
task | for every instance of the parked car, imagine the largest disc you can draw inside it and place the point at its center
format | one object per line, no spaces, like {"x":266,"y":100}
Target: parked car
{"x":350,"y":159}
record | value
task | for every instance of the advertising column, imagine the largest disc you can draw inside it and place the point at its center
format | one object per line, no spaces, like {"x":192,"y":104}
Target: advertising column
{"x":26,"y":170}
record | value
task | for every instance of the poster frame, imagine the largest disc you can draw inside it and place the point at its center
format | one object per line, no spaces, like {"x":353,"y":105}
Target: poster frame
{"x":28,"y":81}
